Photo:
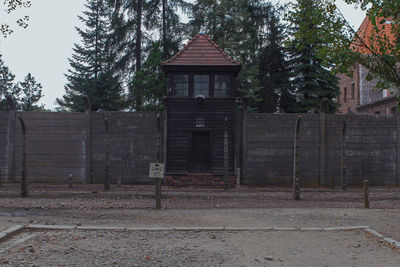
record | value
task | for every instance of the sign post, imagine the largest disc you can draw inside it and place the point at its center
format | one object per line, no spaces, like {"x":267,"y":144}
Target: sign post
{"x":157,"y":172}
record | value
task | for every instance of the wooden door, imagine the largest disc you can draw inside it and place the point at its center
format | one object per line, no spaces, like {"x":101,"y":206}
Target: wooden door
{"x":200,"y":157}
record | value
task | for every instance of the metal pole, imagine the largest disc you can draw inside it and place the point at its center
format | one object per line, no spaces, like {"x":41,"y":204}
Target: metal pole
{"x":88,"y":112}
{"x":244,"y":150}
{"x":323,"y":108}
{"x":343,"y":177}
{"x":24,"y":187}
{"x":11,"y":159}
{"x":226,"y":154}
{"x":296,"y":169}
{"x":107,"y":163}
{"x":158,"y":181}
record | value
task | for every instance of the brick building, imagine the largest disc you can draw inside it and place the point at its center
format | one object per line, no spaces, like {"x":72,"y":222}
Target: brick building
{"x":357,"y":94}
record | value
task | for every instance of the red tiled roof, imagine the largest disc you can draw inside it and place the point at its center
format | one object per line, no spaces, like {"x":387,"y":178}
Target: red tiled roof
{"x":203,"y":51}
{"x":367,"y":31}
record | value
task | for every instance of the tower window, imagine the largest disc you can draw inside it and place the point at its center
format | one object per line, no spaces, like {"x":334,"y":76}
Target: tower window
{"x":181,"y":84}
{"x":201,"y":85}
{"x":221,"y":85}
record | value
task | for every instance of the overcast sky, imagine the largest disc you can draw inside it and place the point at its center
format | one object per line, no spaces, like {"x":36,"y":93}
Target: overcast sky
{"x":44,"y":47}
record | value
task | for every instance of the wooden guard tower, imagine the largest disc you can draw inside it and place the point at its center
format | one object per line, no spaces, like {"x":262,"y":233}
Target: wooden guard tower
{"x":200,"y":111}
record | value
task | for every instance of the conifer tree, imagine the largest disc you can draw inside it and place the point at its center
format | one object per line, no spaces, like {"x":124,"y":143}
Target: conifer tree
{"x":172,"y":29}
{"x":8,"y":90}
{"x":31,"y":92}
{"x":310,"y":79}
{"x":240,"y":28}
{"x":144,"y":18}
{"x":152,"y":78}
{"x":275,"y":94}
{"x":92,"y":71}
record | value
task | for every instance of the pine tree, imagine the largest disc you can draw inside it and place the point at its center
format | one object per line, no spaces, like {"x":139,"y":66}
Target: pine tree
{"x":153,"y":79}
{"x":241,"y":29}
{"x":8,"y":90}
{"x":171,"y":27}
{"x":273,"y":75}
{"x":249,"y":86}
{"x":310,"y":80}
{"x":92,"y":70}
{"x":138,"y":25}
{"x":31,"y":92}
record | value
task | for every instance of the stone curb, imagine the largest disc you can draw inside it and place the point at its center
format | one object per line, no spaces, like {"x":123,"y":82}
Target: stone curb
{"x":50,"y":227}
{"x":193,"y":228}
{"x":382,"y":237}
{"x":362,"y":227}
{"x":11,"y":231}
{"x":375,"y":233}
{"x":106,"y":228}
{"x":392,"y":242}
{"x":18,"y":228}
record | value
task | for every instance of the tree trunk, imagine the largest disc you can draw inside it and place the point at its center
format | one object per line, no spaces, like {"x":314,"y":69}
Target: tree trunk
{"x":138,"y":52}
{"x":96,"y":55}
{"x":164,"y":30}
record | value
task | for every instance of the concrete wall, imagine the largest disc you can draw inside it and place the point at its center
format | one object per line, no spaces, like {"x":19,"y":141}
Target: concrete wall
{"x":132,"y":146}
{"x":62,"y":143}
{"x":58,"y":145}
{"x":370,"y":148}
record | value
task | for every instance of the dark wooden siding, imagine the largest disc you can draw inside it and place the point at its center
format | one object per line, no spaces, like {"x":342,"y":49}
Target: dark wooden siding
{"x":182,"y":116}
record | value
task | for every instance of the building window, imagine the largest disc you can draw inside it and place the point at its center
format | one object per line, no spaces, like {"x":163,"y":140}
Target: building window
{"x":222,"y":85}
{"x":345,"y":95}
{"x":201,"y":85}
{"x":385,"y":93}
{"x":352,"y":91}
{"x":181,"y":84}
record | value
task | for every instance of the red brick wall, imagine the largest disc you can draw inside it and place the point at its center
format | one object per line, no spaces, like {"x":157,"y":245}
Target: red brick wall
{"x":387,"y":107}
{"x":347,"y":98}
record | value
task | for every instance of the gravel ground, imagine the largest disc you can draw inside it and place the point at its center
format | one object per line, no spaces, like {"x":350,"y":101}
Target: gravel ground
{"x":187,"y":207}
{"x":222,"y":248}
{"x":93,"y":197}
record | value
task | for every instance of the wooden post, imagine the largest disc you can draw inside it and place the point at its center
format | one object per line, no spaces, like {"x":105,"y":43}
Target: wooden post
{"x":107,"y":161}
{"x":88,"y":143}
{"x":366,"y":194}
{"x":244,"y":139}
{"x":226,"y":154}
{"x":343,"y":176}
{"x":296,"y":170}
{"x":158,"y":181}
{"x":24,"y":187}
{"x":158,"y":194}
{"x":322,"y":143}
{"x":119,"y":177}
{"x":70,"y":180}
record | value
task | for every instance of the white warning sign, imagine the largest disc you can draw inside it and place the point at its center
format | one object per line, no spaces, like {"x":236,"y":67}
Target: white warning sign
{"x":156,"y":170}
